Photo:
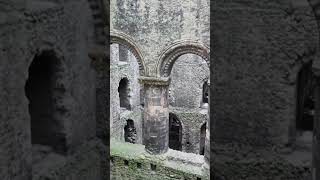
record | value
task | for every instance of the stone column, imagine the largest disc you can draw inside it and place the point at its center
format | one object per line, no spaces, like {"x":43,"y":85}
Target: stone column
{"x":156,"y":114}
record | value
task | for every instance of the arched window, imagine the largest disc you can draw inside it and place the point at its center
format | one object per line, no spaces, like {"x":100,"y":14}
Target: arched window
{"x":175,"y":133}
{"x":130,"y":132}
{"x":42,"y":92}
{"x":205,"y":92}
{"x":124,"y":93}
{"x":202,"y":138}
{"x":305,"y":99}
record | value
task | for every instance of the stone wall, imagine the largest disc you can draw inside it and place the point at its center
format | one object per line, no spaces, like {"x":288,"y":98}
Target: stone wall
{"x":191,"y":120}
{"x":155,"y":30}
{"x":130,"y":161}
{"x":154,"y":25}
{"x":259,"y":47}
{"x":128,"y":69}
{"x":29,"y":28}
{"x":188,"y":75}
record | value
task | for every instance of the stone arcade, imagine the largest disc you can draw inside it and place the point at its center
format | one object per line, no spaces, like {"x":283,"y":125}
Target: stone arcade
{"x":165,"y":64}
{"x":264,"y":91}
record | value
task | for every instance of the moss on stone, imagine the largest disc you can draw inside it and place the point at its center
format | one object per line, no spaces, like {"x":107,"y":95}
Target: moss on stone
{"x":166,"y":168}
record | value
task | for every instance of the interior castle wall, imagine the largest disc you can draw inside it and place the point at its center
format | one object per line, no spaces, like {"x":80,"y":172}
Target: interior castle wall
{"x":259,"y":47}
{"x":128,"y":69}
{"x":155,"y":24}
{"x":27,"y":28}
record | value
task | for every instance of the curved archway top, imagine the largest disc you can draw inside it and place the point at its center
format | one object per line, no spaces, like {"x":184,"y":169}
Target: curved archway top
{"x":177,"y":49}
{"x":175,"y":116}
{"x":125,"y":40}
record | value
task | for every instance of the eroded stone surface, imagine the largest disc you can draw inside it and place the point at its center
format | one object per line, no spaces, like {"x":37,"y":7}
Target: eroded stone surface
{"x":29,"y":28}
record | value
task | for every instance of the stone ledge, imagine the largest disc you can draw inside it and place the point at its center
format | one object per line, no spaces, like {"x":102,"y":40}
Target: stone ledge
{"x":191,"y":165}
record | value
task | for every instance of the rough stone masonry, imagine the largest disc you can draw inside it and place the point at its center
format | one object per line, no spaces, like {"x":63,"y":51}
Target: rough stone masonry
{"x":48,"y":123}
{"x":169,"y":46}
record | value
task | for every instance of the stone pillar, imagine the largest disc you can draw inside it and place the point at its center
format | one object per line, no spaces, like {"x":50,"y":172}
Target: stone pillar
{"x":156,"y":114}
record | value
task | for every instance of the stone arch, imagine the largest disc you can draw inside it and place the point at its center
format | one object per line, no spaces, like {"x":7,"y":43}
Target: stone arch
{"x":127,"y":41}
{"x":175,"y":50}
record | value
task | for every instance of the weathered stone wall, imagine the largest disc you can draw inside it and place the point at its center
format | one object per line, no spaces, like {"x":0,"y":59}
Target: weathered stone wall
{"x":27,"y":29}
{"x":188,"y":75}
{"x":124,"y":69}
{"x":130,"y":161}
{"x":259,"y":47}
{"x":155,"y":24}
{"x":191,"y":120}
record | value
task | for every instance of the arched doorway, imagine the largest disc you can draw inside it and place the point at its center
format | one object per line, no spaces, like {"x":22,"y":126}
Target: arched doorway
{"x":305,"y":99}
{"x":43,"y":92}
{"x":175,"y":133}
{"x":305,"y":108}
{"x":205,"y":93}
{"x":130,"y":132}
{"x":202,"y":138}
{"x":124,"y":91}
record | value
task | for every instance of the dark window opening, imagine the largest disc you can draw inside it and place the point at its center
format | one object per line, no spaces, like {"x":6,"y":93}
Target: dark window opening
{"x":202,"y":139}
{"x":175,"y":133}
{"x":124,"y":93}
{"x":139,"y":165}
{"x":130,"y":132}
{"x":126,"y":162}
{"x":198,"y":178}
{"x":205,"y":93}
{"x":153,"y":167}
{"x":305,"y":99}
{"x":142,"y":96}
{"x":43,"y":92}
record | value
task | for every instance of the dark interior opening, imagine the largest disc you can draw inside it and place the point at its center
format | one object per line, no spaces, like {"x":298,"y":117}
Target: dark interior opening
{"x":202,"y":138}
{"x":153,"y":167}
{"x":305,"y":99}
{"x":175,"y":133}
{"x":42,"y":92}
{"x":205,"y":92}
{"x":126,"y":162}
{"x":124,"y":93}
{"x":130,"y":132}
{"x":139,"y":165}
